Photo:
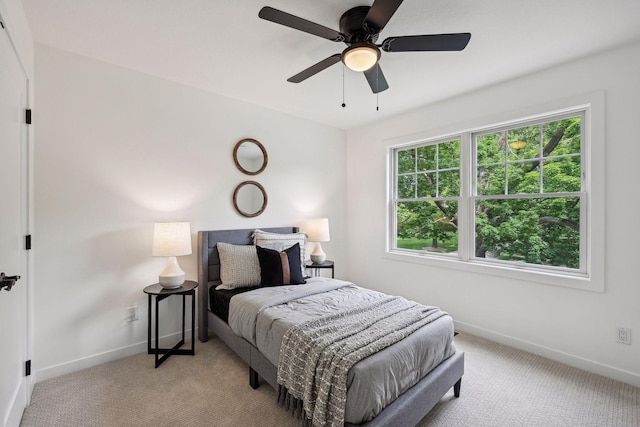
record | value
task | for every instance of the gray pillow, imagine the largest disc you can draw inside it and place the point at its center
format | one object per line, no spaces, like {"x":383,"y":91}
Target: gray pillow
{"x":239,"y":266}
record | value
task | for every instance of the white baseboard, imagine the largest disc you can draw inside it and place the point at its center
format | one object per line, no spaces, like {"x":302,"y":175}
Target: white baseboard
{"x":550,"y":353}
{"x":98,"y":359}
{"x":14,"y":416}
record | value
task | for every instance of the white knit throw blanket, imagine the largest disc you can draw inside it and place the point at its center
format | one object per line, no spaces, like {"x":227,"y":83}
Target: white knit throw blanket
{"x":316,"y":356}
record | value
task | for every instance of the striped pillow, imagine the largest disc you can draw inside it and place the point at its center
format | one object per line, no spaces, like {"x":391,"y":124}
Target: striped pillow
{"x":239,"y":267}
{"x":280,"y":267}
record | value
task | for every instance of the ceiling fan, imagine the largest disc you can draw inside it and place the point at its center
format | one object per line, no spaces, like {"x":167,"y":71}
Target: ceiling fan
{"x":359,"y":30}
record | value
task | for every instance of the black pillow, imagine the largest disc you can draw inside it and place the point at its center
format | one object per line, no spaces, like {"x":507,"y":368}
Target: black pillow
{"x":280,"y":268}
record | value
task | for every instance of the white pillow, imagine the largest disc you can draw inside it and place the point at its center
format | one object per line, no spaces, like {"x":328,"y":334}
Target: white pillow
{"x":280,"y":242}
{"x":239,"y":266}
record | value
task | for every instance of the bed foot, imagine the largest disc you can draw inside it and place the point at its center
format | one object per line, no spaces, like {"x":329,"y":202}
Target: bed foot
{"x":456,"y":388}
{"x":254,"y":382}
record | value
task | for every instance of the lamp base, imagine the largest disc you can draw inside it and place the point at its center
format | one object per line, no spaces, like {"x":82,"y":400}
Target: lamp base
{"x":171,"y":282}
{"x":318,"y":256}
{"x":172,"y":276}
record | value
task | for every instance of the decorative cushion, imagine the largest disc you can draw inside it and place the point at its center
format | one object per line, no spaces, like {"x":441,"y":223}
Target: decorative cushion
{"x":280,"y":267}
{"x":239,"y":266}
{"x":280,"y":242}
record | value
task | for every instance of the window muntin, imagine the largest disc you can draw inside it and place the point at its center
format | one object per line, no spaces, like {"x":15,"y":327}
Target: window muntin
{"x":525,"y":201}
{"x":508,"y":161}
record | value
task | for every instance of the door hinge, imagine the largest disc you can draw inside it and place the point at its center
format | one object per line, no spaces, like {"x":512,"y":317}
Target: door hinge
{"x":27,"y":368}
{"x":27,"y":116}
{"x":27,"y":242}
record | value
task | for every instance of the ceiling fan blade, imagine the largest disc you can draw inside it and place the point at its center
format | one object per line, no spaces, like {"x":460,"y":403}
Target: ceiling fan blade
{"x":376,"y":79}
{"x":315,"y":69}
{"x":380,"y":13}
{"x":427,"y":42}
{"x":292,"y":21}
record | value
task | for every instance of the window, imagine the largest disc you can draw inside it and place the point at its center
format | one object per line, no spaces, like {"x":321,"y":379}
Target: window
{"x":428,"y":193}
{"x":527,"y":193}
{"x":512,"y":196}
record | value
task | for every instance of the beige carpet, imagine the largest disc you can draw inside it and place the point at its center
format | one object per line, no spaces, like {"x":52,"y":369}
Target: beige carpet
{"x":501,"y":387}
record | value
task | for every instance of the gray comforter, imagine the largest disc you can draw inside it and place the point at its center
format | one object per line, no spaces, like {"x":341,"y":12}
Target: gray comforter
{"x":263,"y":316}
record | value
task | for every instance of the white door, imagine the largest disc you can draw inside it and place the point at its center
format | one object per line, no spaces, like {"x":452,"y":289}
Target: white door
{"x":13,"y":223}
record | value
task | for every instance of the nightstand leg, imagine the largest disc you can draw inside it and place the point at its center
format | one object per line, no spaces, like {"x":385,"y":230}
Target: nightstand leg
{"x":149,"y":327}
{"x":193,"y":322}
{"x":157,"y":338}
{"x":183,"y":315}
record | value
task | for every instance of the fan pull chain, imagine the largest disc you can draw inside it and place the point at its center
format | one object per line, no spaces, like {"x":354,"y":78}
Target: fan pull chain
{"x":377,"y":86}
{"x":343,"y":104}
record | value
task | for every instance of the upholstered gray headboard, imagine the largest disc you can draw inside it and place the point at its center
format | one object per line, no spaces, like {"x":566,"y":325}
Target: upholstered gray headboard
{"x":209,"y":265}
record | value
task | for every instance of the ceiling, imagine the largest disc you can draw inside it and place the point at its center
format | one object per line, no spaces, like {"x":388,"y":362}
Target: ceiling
{"x":223,"y":47}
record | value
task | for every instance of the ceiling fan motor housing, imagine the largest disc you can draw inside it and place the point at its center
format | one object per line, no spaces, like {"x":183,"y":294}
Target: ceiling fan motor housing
{"x":352,"y":26}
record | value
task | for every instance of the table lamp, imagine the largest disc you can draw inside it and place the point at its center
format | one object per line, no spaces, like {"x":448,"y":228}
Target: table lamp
{"x":318,"y":231}
{"x":171,"y":239}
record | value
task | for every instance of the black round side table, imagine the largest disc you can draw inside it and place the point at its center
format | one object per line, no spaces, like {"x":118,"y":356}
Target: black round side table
{"x":160,"y":293}
{"x":316,"y":267}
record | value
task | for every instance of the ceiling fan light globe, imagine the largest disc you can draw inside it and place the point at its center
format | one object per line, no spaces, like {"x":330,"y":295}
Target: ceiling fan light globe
{"x":361,"y":58}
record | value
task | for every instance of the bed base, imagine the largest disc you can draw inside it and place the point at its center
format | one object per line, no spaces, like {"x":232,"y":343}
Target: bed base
{"x":407,"y":410}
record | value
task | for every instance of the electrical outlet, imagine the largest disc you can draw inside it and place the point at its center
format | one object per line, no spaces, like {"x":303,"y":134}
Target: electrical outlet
{"x":132,"y":313}
{"x":624,"y":336}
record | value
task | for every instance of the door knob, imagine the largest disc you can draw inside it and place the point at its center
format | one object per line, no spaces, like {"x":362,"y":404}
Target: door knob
{"x":7,"y":282}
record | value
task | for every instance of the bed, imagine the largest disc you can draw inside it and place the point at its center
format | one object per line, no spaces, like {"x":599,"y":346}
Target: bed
{"x":407,"y":409}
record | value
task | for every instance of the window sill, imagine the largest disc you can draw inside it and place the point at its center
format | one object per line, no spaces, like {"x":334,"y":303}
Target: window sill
{"x":576,"y":281}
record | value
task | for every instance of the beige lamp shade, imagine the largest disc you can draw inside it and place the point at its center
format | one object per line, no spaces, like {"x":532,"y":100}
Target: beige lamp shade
{"x":171,"y":239}
{"x":318,"y":231}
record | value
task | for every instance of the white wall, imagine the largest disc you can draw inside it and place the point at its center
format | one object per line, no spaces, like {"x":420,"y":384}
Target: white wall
{"x":15,"y":21}
{"x":117,"y":150}
{"x":574,"y":326}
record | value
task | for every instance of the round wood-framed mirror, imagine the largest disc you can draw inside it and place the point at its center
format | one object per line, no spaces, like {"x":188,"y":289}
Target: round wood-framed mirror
{"x":250,"y":156}
{"x":250,"y":199}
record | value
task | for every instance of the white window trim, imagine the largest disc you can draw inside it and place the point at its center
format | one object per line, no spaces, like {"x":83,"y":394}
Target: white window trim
{"x":593,"y":166}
